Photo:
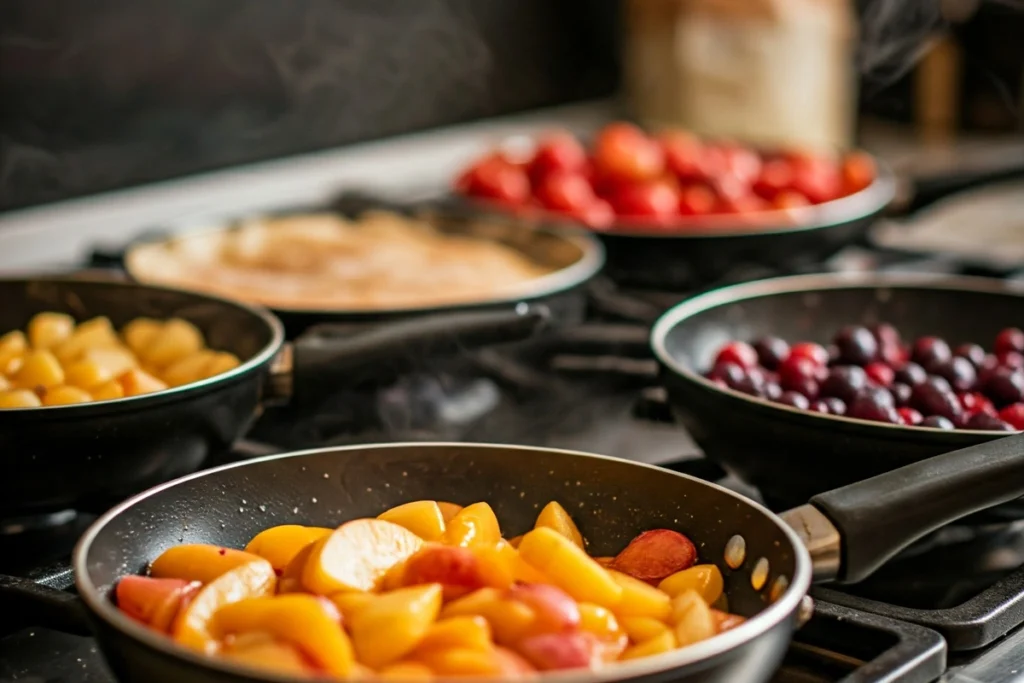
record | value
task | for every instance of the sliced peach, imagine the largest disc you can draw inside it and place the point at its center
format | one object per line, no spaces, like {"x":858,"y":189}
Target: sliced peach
{"x":92,"y":334}
{"x":555,"y":610}
{"x":422,"y":517}
{"x":725,"y":621}
{"x":522,"y":571}
{"x":448,"y":510}
{"x":552,"y":651}
{"x":554,"y":516}
{"x":351,"y":602}
{"x":474,"y":525}
{"x":458,"y":570}
{"x":509,"y":619}
{"x":197,"y":562}
{"x":599,"y":620}
{"x":471,"y":633}
{"x":513,"y":665}
{"x":515,"y":541}
{"x":108,"y":391}
{"x":310,"y":624}
{"x":140,"y":597}
{"x":39,"y":369}
{"x":706,"y":579}
{"x":65,"y":396}
{"x":640,"y":599}
{"x":356,"y":555}
{"x":269,"y":655}
{"x":640,"y":629}
{"x":46,"y":330}
{"x":659,"y":644}
{"x":279,"y":544}
{"x":691,"y":618}
{"x":459,"y":661}
{"x":250,"y":580}
{"x":291,"y":577}
{"x":569,"y":567}
{"x":605,"y":562}
{"x":406,"y":671}
{"x":393,"y":624}
{"x":656,"y":554}
{"x":136,"y":382}
{"x":114,"y":360}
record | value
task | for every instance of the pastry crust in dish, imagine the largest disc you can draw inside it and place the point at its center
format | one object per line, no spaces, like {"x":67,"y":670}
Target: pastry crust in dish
{"x":324,"y":261}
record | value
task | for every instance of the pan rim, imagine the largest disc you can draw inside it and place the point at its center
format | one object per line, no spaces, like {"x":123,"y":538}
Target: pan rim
{"x":259,"y":359}
{"x":873,"y":198}
{"x":764,"y":621}
{"x":810,"y":284}
{"x":591,"y":262}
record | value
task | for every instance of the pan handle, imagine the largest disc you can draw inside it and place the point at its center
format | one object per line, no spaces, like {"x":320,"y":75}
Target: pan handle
{"x":33,"y":604}
{"x":321,"y":364}
{"x":853,"y":530}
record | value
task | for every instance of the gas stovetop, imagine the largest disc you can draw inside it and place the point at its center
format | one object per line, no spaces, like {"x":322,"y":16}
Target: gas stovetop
{"x":949,"y":609}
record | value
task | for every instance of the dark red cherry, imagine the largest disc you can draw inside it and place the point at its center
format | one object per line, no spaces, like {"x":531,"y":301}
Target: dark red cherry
{"x":819,"y":406}
{"x":740,"y":353}
{"x":1013,"y":415}
{"x":972,"y":352}
{"x":911,"y":374}
{"x":900,"y":393}
{"x":1011,"y":359}
{"x":844,"y":382}
{"x":772,"y":390}
{"x":959,"y":372}
{"x":988,"y":422}
{"x":880,"y":373}
{"x":929,"y":352}
{"x":937,"y":422}
{"x":771,"y":351}
{"x":974,"y":402}
{"x":1010,"y":339}
{"x":935,"y":397}
{"x":810,"y":350}
{"x":909,"y":416}
{"x":856,"y":345}
{"x":728,"y":372}
{"x":890,"y":346}
{"x":1004,"y":386}
{"x":836,"y":406}
{"x":795,"y":400}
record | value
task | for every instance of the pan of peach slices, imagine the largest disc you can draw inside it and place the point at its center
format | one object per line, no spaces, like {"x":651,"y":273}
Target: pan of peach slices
{"x":434,"y":561}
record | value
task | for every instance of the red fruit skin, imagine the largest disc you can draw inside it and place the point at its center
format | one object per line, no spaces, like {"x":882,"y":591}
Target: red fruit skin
{"x":557,"y":152}
{"x":1013,"y":415}
{"x":646,"y":200}
{"x":556,"y":611}
{"x":1011,"y":359}
{"x":599,"y":215}
{"x":787,"y":200}
{"x":740,"y":353}
{"x":776,"y":176}
{"x":858,"y":172}
{"x":655,"y":554}
{"x":880,"y":373}
{"x":976,"y":403}
{"x":497,"y":179}
{"x":909,"y":416}
{"x":624,"y":153}
{"x":551,"y":651}
{"x":565,"y":191}
{"x":456,"y":569}
{"x":684,"y":156}
{"x":816,"y":352}
{"x":1010,"y":339}
{"x":795,"y":370}
{"x":696,"y":201}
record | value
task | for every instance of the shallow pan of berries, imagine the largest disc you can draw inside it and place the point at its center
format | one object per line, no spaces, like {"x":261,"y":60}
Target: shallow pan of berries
{"x":677,"y":211}
{"x":801,"y":384}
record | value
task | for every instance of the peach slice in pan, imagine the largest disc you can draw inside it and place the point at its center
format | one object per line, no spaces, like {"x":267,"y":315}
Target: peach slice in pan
{"x":448,"y":510}
{"x":392,"y":624}
{"x":264,"y":652}
{"x":279,"y":544}
{"x":569,"y":567}
{"x":474,"y":525}
{"x":250,"y":580}
{"x":197,"y":562}
{"x":554,"y":516}
{"x":640,"y":599}
{"x":356,"y":556}
{"x":422,"y":517}
{"x":308,"y":623}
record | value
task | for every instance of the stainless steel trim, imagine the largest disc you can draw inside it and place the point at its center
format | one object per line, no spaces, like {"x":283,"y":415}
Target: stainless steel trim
{"x":820,"y":537}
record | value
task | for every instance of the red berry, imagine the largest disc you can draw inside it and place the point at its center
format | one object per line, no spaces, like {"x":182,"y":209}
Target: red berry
{"x":646,"y":200}
{"x":1013,"y":415}
{"x":557,"y":152}
{"x":496,"y":178}
{"x":776,"y":176}
{"x":815,"y":352}
{"x":740,"y":353}
{"x":1010,"y":339}
{"x":1011,"y":359}
{"x":599,"y":214}
{"x":880,"y":373}
{"x":909,"y":416}
{"x":790,"y":199}
{"x":974,"y":402}
{"x":696,"y":201}
{"x":565,"y":191}
{"x":624,"y":152}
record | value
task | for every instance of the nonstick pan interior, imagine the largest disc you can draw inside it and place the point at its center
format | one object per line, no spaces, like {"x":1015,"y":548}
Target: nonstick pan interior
{"x":790,"y":454}
{"x":612,"y":501}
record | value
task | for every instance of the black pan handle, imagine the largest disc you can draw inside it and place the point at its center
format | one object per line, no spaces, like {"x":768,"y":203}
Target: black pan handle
{"x":28,"y":603}
{"x":878,"y":517}
{"x":322,"y":364}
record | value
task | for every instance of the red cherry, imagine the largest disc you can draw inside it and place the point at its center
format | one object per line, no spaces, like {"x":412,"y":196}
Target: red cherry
{"x":496,"y":178}
{"x":696,"y":201}
{"x":623,"y":152}
{"x":1013,"y":415}
{"x":909,"y":416}
{"x":565,"y":191}
{"x":684,"y":156}
{"x":776,"y":177}
{"x":557,"y":152}
{"x":815,"y":352}
{"x":646,"y":200}
{"x":974,"y":402}
{"x":790,"y":199}
{"x":599,"y":214}
{"x":740,"y":353}
{"x":880,"y":373}
{"x":1010,"y":339}
{"x":1011,"y":359}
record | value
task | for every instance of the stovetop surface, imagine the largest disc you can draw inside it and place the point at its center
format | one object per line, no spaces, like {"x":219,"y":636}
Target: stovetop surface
{"x":963,"y":586}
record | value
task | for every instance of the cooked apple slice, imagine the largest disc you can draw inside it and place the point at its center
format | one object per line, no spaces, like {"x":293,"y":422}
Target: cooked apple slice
{"x":356,"y":556}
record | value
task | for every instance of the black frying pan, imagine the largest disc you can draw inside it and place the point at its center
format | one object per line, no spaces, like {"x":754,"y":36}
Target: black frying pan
{"x":89,"y":455}
{"x":791,"y":455}
{"x":844,"y":534}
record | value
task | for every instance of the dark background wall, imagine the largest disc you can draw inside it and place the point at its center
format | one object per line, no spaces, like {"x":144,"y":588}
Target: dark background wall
{"x":111,"y":93}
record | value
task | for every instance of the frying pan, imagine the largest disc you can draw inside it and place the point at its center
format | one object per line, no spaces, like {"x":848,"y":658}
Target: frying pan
{"x":789,"y":454}
{"x":89,"y":455}
{"x":844,"y":534}
{"x":712,"y":246}
{"x":574,"y":256}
